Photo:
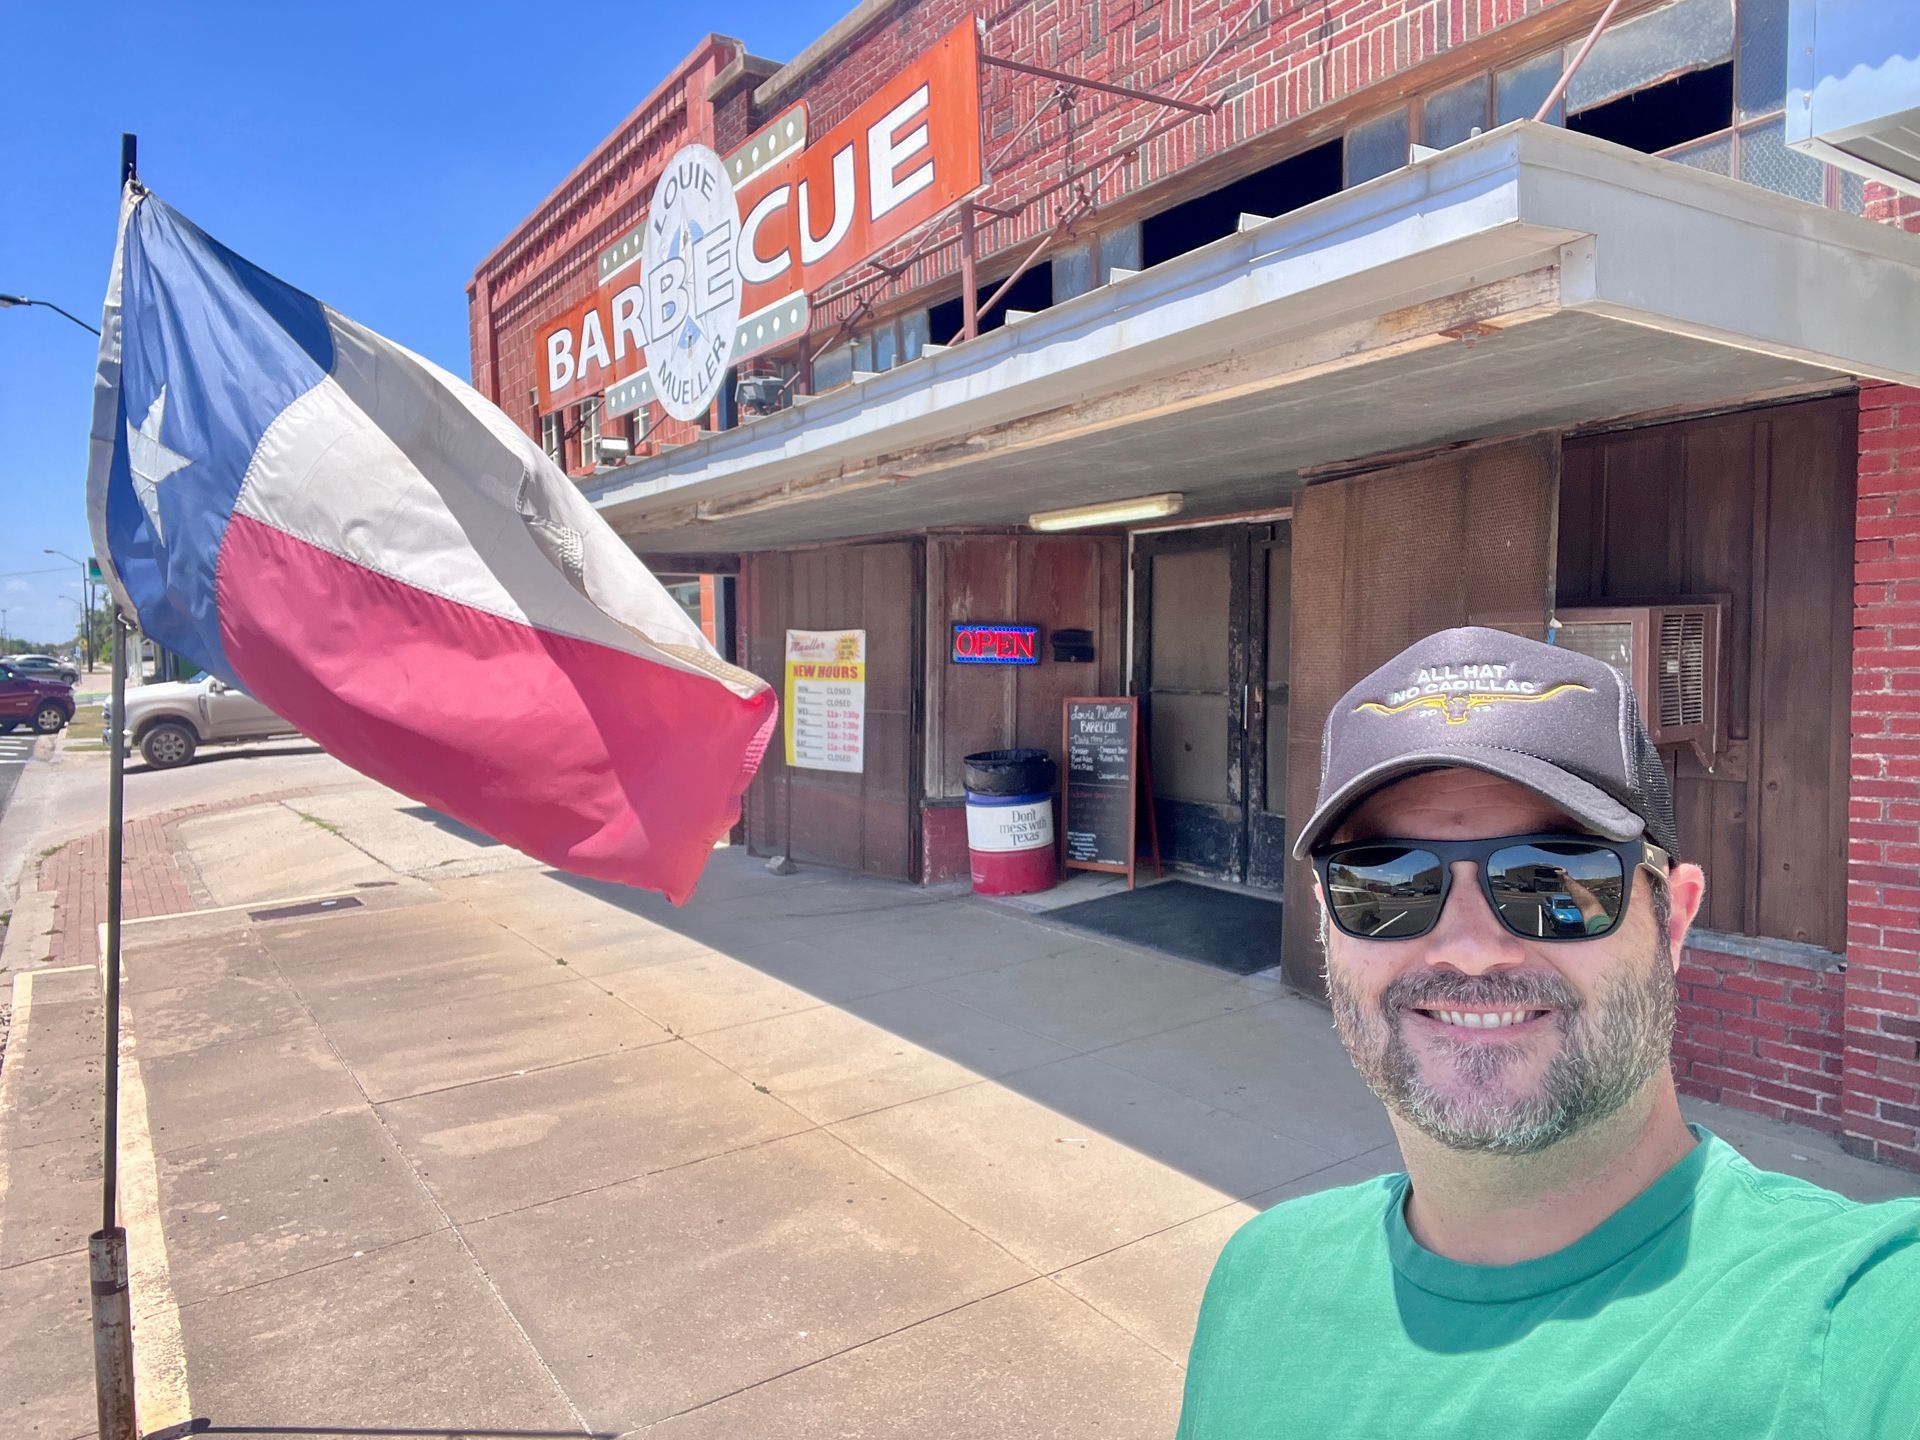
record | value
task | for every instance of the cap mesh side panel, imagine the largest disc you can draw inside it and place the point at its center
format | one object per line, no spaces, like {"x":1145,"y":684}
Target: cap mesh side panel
{"x":1654,"y":794}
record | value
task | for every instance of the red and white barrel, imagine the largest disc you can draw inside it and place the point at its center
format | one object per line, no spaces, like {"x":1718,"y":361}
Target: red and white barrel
{"x":1010,"y":838}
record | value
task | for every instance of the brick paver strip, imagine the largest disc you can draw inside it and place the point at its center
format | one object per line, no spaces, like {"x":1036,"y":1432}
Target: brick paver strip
{"x":161,"y":878}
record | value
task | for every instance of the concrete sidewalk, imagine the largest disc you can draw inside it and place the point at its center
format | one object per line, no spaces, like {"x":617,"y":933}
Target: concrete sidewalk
{"x":485,"y":1149}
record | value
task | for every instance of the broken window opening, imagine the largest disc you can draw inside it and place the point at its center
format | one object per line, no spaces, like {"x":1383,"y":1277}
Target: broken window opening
{"x":1687,"y":107}
{"x":1298,"y":180}
{"x":1032,"y":291}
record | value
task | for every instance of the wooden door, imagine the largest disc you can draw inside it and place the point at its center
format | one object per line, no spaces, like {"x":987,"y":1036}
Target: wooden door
{"x":869,"y":822}
{"x":1190,"y":670}
{"x":1211,"y":645}
{"x":1380,"y":560}
{"x":1269,"y":692}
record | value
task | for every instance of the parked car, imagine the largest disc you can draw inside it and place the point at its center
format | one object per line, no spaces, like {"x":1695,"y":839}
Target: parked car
{"x":45,"y":667}
{"x":28,"y":699}
{"x":171,"y":720}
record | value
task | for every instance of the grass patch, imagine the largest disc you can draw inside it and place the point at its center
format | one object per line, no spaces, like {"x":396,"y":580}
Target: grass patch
{"x":86,"y":725}
{"x":326,"y":825}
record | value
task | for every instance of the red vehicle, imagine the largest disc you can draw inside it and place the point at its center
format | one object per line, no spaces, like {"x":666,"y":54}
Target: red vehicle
{"x":45,"y":705}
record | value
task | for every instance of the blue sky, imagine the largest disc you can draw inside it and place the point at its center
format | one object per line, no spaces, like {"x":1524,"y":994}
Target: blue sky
{"x":369,"y":153}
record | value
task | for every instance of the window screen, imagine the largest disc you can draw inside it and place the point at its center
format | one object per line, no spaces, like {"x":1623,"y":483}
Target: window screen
{"x":1377,"y":147}
{"x":1454,"y":114}
{"x":1120,"y":250}
{"x":1686,"y":35}
{"x":1520,"y":91}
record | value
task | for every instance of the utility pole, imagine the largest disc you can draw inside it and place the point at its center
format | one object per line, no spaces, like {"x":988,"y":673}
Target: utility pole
{"x":86,"y":596}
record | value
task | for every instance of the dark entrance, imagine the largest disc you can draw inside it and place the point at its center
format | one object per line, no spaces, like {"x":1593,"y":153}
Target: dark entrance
{"x":1211,"y":666}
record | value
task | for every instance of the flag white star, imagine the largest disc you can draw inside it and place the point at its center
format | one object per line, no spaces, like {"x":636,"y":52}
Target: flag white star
{"x":150,"y":460}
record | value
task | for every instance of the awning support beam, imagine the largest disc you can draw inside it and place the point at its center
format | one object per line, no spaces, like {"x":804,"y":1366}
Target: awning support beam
{"x":1106,"y":87}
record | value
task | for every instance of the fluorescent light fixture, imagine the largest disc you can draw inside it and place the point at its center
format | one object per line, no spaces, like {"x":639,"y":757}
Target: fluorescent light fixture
{"x":1112,"y":512}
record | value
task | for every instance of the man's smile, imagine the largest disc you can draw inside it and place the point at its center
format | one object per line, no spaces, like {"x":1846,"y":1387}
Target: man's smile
{"x":1457,"y":1020}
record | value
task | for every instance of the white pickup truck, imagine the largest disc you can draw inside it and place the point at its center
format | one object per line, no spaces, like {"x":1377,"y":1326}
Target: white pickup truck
{"x":171,"y":720}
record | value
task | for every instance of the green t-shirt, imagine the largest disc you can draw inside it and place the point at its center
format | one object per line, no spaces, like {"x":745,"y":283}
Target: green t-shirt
{"x":1721,"y":1301}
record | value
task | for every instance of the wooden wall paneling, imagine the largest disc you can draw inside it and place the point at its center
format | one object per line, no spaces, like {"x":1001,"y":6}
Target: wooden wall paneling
{"x":1110,"y":630}
{"x":1756,"y":506}
{"x":1807,"y":661}
{"x":1841,"y":450}
{"x":766,"y":580}
{"x":865,"y":822}
{"x":1645,"y":513}
{"x":933,"y":663}
{"x":1711,"y":815}
{"x":977,"y":580}
{"x":1581,"y":545}
{"x":1723,"y":460}
{"x":1323,"y":517}
{"x":1057,"y":585}
{"x":1382,"y":559}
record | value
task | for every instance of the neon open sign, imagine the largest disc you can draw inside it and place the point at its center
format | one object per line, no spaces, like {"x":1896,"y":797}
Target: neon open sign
{"x":975,"y":644}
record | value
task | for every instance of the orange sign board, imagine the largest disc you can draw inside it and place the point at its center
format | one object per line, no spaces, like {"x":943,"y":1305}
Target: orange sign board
{"x":806,"y":215}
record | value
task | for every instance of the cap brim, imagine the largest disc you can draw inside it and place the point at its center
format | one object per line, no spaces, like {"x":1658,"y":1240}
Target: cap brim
{"x":1586,"y":803}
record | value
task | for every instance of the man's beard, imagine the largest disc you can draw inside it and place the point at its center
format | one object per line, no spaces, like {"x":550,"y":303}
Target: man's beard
{"x":1610,"y":1048}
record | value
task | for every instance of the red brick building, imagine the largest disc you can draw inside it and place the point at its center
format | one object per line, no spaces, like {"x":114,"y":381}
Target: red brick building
{"x":1403,"y":357}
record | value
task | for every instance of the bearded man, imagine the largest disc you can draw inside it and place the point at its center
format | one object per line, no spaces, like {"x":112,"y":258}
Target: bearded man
{"x":1504,"y":907}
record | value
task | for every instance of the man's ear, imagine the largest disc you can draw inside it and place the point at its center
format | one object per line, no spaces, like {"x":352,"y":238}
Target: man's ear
{"x":1686,"y":893}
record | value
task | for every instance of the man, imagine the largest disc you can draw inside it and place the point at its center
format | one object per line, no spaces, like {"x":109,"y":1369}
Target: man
{"x":1504,"y":908}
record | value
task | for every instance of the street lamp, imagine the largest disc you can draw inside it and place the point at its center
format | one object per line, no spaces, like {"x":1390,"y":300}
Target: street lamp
{"x":8,"y":301}
{"x":86,"y":589}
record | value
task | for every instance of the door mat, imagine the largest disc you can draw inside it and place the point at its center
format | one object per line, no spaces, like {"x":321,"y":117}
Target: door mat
{"x":1237,"y":932}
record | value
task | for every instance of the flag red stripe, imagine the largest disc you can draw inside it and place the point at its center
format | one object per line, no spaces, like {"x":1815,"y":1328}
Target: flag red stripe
{"x":582,"y":756}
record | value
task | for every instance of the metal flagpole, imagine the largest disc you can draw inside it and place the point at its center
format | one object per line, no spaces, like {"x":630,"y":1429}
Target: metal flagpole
{"x":107,"y":1247}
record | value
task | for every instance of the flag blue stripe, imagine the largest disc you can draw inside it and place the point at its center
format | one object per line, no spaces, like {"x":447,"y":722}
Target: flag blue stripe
{"x":233,"y":346}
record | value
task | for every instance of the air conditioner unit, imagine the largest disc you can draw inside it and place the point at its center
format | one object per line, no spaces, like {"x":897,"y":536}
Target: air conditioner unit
{"x":1853,"y":87}
{"x":1672,"y":651}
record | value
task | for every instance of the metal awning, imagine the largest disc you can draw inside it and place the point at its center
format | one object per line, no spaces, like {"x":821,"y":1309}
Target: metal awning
{"x":1527,"y":279}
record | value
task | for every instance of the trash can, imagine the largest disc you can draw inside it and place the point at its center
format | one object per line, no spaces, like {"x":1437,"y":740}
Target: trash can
{"x":1010,"y":821}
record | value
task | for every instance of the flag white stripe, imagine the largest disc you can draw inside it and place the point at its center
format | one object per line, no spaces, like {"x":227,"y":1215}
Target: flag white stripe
{"x":400,"y":468}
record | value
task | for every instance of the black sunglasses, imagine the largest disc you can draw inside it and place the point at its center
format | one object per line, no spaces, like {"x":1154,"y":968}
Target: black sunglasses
{"x":1552,"y":886}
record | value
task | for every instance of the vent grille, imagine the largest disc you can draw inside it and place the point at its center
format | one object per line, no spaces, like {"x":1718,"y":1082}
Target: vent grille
{"x":1683,"y":669}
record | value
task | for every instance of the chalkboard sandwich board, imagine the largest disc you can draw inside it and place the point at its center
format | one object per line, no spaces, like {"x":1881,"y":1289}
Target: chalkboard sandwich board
{"x":1100,"y":792}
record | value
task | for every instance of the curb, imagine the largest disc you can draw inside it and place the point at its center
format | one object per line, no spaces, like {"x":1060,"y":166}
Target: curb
{"x":28,"y":944}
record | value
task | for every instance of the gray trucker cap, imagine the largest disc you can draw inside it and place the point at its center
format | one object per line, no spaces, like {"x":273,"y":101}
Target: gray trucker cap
{"x":1562,"y":724}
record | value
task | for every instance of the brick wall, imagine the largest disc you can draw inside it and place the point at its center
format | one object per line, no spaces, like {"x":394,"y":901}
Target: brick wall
{"x":943,"y":844}
{"x":549,"y":262}
{"x":1881,"y":1099}
{"x":1274,"y":64}
{"x":1892,"y":207}
{"x":1840,"y":1050}
{"x":1761,"y":1036}
{"x":1284,"y":61}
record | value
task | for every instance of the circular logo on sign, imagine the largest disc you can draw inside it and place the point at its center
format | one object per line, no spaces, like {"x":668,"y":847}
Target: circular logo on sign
{"x":692,"y":281}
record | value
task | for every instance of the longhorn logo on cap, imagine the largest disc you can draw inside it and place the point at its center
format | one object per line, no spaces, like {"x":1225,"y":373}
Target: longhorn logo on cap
{"x":1455,"y":693}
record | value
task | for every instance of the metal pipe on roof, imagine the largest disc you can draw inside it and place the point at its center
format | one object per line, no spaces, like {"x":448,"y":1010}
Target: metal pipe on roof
{"x":1566,"y":76}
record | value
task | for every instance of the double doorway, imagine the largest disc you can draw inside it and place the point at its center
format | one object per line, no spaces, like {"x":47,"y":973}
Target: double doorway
{"x":1211,"y":664}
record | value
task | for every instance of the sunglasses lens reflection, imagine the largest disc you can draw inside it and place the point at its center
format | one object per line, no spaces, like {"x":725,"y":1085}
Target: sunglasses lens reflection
{"x":1546,"y":890}
{"x":1556,"y":890}
{"x":1385,"y":892}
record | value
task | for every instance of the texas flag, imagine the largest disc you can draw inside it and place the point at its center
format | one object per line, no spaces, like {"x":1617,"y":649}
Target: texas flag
{"x":365,"y":545}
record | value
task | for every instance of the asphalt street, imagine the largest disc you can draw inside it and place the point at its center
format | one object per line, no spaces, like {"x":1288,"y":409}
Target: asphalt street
{"x":15,"y":752}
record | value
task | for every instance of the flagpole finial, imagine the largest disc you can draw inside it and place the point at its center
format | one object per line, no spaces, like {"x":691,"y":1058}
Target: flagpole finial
{"x":129,"y":158}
